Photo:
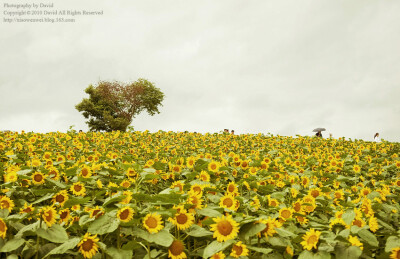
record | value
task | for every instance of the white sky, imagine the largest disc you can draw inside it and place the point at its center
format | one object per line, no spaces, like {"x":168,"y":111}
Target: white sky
{"x":280,"y":67}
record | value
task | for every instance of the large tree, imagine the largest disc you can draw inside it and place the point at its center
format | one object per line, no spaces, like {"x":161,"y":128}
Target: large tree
{"x":113,"y":105}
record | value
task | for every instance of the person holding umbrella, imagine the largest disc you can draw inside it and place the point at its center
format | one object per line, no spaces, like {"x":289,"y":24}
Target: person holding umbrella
{"x":319,"y":132}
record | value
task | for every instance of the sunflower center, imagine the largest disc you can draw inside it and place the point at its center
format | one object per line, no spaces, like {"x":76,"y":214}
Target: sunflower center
{"x":286,"y":214}
{"x":48,"y":216}
{"x":85,"y":172}
{"x":151,"y":222}
{"x":181,"y":218}
{"x":64,"y":214}
{"x":2,"y":226}
{"x":124,"y":214}
{"x":315,"y":193}
{"x":297,"y":207}
{"x":357,"y":223}
{"x":197,"y":189}
{"x":38,"y":178}
{"x":87,"y":245}
{"x":228,"y":202}
{"x":77,"y":188}
{"x":231,"y":188}
{"x":238,"y":249}
{"x":224,"y":227}
{"x":176,"y":248}
{"x":5,"y":204}
{"x":94,"y":213}
{"x":313,"y":239}
{"x":59,"y":198}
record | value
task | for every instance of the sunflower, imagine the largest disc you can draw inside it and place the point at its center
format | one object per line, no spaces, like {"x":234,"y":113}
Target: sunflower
{"x":395,"y":253}
{"x":310,"y":239}
{"x":190,"y":162}
{"x":270,"y":227}
{"x":54,"y":174}
{"x":153,"y":222}
{"x":36,"y":162}
{"x":61,"y":197}
{"x":239,"y":249}
{"x":182,"y":219}
{"x":204,"y":176}
{"x":88,"y":245}
{"x":232,"y":189}
{"x":65,"y":215}
{"x":38,"y":178}
{"x":219,"y":255}
{"x":125,"y":183}
{"x":286,"y":213}
{"x":177,"y":184}
{"x":3,"y":228}
{"x":10,"y":177}
{"x":225,"y":228}
{"x":26,"y":209}
{"x":78,"y":189}
{"x":272,"y":202}
{"x":195,"y":199}
{"x":176,"y":250}
{"x":96,"y":212}
{"x":125,"y":214}
{"x":6,"y":203}
{"x":227,"y":201}
{"x":197,"y":188}
{"x":86,"y":172}
{"x":49,"y":215}
{"x":355,"y":242}
{"x":213,"y":166}
{"x":373,"y":224}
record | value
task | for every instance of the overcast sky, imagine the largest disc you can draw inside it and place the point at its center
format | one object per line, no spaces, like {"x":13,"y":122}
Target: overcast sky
{"x":280,"y":67}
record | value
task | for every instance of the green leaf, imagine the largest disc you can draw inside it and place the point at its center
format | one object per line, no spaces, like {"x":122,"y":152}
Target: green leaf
{"x":367,"y":236}
{"x":250,"y":229}
{"x":348,"y":216}
{"x":209,"y":213}
{"x":162,"y":238}
{"x":104,"y":224}
{"x":57,"y":183}
{"x":392,"y":242}
{"x":32,"y":227}
{"x":76,"y":201}
{"x":61,"y":249}
{"x":260,"y":249}
{"x":306,"y":255}
{"x":115,"y":198}
{"x":4,"y":213}
{"x":215,"y":247}
{"x":351,"y":252}
{"x":197,"y":231}
{"x":55,"y":233}
{"x":285,"y":233}
{"x":13,"y":256}
{"x":12,"y":244}
{"x":44,"y":198}
{"x":119,"y":253}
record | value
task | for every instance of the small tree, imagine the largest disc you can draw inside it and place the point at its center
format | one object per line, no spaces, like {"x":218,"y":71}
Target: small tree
{"x":113,"y":105}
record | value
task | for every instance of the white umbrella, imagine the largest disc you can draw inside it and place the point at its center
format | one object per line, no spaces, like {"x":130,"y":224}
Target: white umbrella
{"x":319,"y":129}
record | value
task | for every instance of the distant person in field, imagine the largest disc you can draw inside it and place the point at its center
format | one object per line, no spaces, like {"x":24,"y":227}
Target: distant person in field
{"x":232,"y":132}
{"x":377,"y":138}
{"x":226,"y":130}
{"x":319,"y":134}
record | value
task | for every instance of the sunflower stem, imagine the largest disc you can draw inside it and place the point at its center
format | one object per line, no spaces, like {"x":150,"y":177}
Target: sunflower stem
{"x":119,"y":238}
{"x":148,"y":250}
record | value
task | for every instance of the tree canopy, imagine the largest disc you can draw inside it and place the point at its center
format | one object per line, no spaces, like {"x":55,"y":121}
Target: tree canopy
{"x":113,"y":105}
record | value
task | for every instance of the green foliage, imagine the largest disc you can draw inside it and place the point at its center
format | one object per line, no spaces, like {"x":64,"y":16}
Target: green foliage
{"x":113,"y":105}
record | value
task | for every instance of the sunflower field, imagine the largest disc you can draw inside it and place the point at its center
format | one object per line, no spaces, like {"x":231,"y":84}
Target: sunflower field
{"x":191,"y":195}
